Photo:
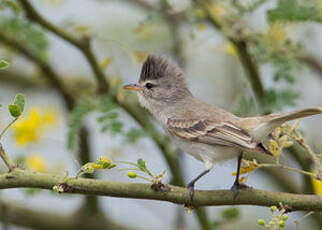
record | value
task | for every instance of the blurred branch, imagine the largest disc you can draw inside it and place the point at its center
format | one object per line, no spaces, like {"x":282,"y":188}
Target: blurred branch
{"x":312,"y":63}
{"x":20,"y":80}
{"x":82,"y":44}
{"x":51,"y":75}
{"x":54,"y":78}
{"x":242,"y":48}
{"x":140,"y":3}
{"x":19,"y":215}
{"x":294,"y":202}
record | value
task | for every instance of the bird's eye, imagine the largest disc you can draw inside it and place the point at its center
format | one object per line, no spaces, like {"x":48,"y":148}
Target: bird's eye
{"x":149,"y":85}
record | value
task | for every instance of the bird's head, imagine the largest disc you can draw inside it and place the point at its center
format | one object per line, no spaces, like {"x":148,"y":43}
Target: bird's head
{"x":161,"y":83}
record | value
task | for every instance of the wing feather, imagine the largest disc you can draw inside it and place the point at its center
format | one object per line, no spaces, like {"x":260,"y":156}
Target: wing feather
{"x":208,"y":132}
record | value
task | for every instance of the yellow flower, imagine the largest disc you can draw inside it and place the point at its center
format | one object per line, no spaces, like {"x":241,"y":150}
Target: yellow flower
{"x":138,"y":56}
{"x":36,"y":163}
{"x":248,"y":167}
{"x":202,"y":27}
{"x":276,"y":35}
{"x":274,"y":148}
{"x":105,"y":62}
{"x":28,"y":129}
{"x":230,"y":49}
{"x":218,"y":9}
{"x":317,"y":186}
{"x":97,"y":166}
{"x":102,"y":163}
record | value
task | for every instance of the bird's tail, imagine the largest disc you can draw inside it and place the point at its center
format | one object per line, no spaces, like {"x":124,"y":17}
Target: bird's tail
{"x":271,"y":122}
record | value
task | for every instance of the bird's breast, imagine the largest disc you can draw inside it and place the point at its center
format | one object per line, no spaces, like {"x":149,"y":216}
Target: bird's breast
{"x":205,"y":152}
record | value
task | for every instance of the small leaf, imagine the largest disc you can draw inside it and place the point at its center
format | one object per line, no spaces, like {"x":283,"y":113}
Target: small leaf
{"x":141,"y":164}
{"x":3,"y":64}
{"x":88,"y":168}
{"x":105,"y":62}
{"x":106,"y":163}
{"x":14,"y":110}
{"x":20,"y":101}
{"x":230,"y":213}
{"x":274,"y":148}
{"x":111,"y":166}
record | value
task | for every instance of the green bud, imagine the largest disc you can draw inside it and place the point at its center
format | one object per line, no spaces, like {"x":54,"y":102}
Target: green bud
{"x":284,"y":217}
{"x":261,"y":222}
{"x":88,"y":168}
{"x":273,"y":208}
{"x":131,"y":174}
{"x":3,"y":64}
{"x":14,"y":110}
{"x":20,"y":101}
{"x":281,"y":224}
{"x":141,"y":164}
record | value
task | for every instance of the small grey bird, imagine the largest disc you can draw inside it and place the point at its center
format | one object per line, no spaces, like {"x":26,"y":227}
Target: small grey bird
{"x":208,"y":133}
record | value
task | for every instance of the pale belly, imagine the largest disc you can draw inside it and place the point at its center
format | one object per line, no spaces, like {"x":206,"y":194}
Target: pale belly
{"x":208,"y":153}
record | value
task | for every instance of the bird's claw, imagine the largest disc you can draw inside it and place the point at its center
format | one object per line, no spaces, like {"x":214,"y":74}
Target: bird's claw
{"x":191,"y":187}
{"x":236,"y":187}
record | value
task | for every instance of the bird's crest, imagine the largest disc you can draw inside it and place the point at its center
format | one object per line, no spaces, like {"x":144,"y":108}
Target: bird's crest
{"x":156,"y":67}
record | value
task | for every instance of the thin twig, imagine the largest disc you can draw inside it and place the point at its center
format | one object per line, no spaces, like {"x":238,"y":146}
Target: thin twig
{"x":287,"y":168}
{"x":7,"y":127}
{"x":6,"y":159}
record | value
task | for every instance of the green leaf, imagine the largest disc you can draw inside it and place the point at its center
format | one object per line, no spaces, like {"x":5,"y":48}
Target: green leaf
{"x":14,"y":110}
{"x":88,"y":168}
{"x":20,"y":101}
{"x":18,"y":105}
{"x":141,"y":164}
{"x":32,"y":191}
{"x":277,"y":99}
{"x":111,"y":166}
{"x":22,"y":31}
{"x":3,"y":64}
{"x":230,"y":213}
{"x":134,"y":134}
{"x":295,"y":10}
{"x":246,"y":107}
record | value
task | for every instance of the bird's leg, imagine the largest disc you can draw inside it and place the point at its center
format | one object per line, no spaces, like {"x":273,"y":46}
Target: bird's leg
{"x":191,"y":184}
{"x":237,"y":186}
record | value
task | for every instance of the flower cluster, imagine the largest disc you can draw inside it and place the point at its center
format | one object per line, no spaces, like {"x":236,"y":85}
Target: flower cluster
{"x":29,"y":129}
{"x":278,"y":220}
{"x":90,"y":167}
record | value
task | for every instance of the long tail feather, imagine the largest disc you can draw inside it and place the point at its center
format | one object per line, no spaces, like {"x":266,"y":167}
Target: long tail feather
{"x":273,"y":121}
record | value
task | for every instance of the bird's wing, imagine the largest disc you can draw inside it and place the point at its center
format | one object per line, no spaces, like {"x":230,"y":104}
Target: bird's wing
{"x":212,"y":133}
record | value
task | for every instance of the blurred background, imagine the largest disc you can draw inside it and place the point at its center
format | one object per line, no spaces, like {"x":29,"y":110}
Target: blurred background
{"x":70,"y":57}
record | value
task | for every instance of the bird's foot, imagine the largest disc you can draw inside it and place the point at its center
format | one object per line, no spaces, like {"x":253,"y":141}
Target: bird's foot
{"x":236,"y":187}
{"x":191,"y":187}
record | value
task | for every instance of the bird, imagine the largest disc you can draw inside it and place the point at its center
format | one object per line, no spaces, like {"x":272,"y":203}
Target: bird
{"x":210,"y":134}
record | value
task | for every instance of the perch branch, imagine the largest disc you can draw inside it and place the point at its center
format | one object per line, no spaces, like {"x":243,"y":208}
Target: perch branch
{"x":295,"y":202}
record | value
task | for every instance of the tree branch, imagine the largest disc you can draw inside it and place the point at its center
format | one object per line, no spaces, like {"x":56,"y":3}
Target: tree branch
{"x":45,"y":220}
{"x":295,"y":202}
{"x":312,"y":63}
{"x":45,"y":68}
{"x":245,"y":58}
{"x":83,"y":45}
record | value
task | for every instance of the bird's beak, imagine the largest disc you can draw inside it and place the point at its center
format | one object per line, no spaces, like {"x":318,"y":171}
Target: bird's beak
{"x":135,"y":87}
